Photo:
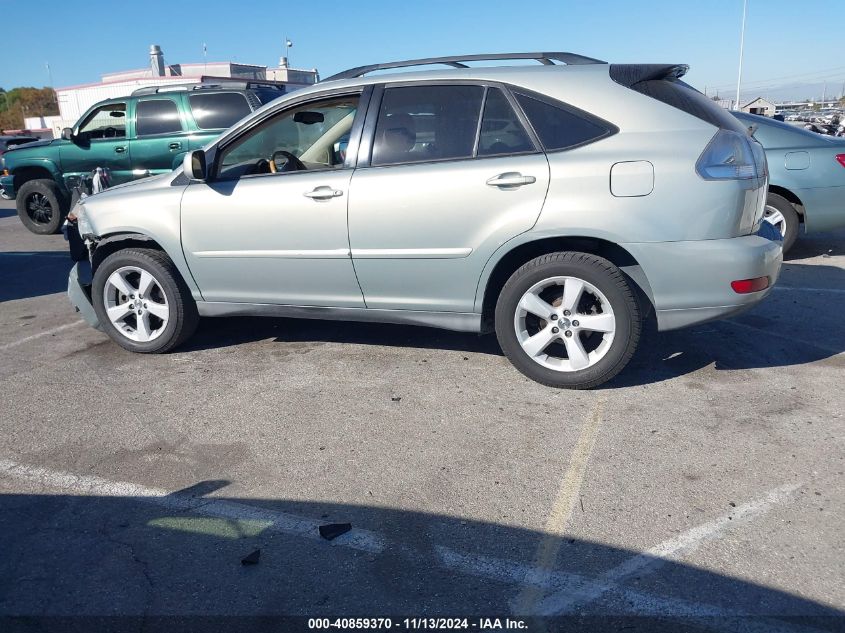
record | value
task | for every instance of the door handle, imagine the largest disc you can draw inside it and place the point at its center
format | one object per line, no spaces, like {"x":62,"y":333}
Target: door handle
{"x":323,"y":193}
{"x":175,"y":146}
{"x":119,"y":150}
{"x":511,"y":179}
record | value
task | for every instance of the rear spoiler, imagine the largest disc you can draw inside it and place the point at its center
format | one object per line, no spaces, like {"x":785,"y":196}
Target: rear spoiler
{"x":630,"y":74}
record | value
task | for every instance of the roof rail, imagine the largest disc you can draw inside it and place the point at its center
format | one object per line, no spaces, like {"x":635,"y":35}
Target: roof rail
{"x":209,"y":85}
{"x":457,"y":61}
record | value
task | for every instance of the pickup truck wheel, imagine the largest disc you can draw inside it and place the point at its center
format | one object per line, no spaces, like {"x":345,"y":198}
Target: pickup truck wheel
{"x":41,"y":206}
{"x":142,"y":301}
{"x":568,"y":320}
{"x":783,"y":216}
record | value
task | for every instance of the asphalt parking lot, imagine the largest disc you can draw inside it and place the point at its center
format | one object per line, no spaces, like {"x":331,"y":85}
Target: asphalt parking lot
{"x":705,"y":482}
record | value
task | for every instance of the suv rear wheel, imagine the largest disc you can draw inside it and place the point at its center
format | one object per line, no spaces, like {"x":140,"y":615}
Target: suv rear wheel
{"x":142,"y":301}
{"x":41,"y":206}
{"x":568,"y":320}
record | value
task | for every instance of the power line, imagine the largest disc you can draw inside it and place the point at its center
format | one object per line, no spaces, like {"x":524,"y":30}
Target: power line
{"x":836,"y":70}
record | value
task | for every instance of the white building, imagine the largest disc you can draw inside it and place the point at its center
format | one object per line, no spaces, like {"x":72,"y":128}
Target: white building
{"x":760,"y":106}
{"x":75,"y":100}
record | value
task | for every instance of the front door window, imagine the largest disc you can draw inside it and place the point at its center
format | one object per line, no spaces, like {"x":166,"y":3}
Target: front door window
{"x":106,"y":122}
{"x":310,"y":137}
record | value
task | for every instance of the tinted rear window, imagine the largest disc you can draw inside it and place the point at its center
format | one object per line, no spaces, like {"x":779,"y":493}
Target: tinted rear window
{"x":218,"y":110}
{"x":266,"y":96}
{"x":157,"y":116}
{"x":686,"y":98}
{"x":501,"y":130}
{"x":559,"y":127}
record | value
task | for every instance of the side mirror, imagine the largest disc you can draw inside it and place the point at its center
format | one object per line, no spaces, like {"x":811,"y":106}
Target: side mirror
{"x":67,"y":134}
{"x":194,"y":165}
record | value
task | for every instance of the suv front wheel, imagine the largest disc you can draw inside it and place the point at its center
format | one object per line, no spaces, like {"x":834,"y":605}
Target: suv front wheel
{"x":41,"y":206}
{"x":568,"y":320}
{"x":142,"y":301}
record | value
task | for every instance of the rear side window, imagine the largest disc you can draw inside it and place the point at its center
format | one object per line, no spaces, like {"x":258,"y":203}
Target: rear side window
{"x":157,"y":116}
{"x":501,"y":129}
{"x":218,"y":110}
{"x":558,"y":127}
{"x":427,"y":123}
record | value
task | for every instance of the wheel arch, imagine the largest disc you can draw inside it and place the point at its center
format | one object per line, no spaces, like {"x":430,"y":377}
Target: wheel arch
{"x":785,"y":193}
{"x":500,"y":269}
{"x":25,"y":173}
{"x":114,"y":242}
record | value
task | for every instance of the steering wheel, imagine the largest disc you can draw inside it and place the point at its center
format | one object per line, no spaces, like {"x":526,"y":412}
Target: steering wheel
{"x":110,"y":132}
{"x":291,"y":162}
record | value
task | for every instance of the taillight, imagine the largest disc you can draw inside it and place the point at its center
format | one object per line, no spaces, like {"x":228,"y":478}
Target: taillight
{"x":744,"y":286}
{"x":731,"y":156}
{"x":841,"y":159}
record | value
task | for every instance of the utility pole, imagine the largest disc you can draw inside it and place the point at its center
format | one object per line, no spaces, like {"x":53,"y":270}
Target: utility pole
{"x":52,"y":87}
{"x":741,"y":50}
{"x":288,"y":46}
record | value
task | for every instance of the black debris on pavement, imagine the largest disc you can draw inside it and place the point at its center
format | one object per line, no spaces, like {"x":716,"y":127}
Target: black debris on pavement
{"x":333,"y":530}
{"x":251,"y":559}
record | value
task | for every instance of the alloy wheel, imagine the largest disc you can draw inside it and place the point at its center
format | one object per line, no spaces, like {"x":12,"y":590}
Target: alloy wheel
{"x":775,"y":218}
{"x":39,"y":209}
{"x":136,"y":304}
{"x":564,"y":323}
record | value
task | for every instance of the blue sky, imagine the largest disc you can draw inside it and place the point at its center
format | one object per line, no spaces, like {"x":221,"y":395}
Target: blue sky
{"x":787,"y":42}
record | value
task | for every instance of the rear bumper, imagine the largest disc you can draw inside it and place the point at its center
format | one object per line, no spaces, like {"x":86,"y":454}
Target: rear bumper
{"x":691,"y":281}
{"x":79,"y":294}
{"x":7,"y":184}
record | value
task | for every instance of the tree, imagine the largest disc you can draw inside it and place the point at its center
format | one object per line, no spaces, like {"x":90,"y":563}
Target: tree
{"x":18,"y":103}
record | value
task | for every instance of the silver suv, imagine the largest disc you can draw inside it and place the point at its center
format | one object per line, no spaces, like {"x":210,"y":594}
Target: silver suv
{"x":559,"y":204}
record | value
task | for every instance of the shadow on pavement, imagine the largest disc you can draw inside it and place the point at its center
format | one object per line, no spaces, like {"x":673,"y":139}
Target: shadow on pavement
{"x":180,"y":554}
{"x":777,"y":333}
{"x":816,"y":245}
{"x":33,"y":274}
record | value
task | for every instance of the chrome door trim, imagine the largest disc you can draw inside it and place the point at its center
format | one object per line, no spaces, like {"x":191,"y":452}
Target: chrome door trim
{"x":410,"y":253}
{"x":456,"y":321}
{"x":335,"y":253}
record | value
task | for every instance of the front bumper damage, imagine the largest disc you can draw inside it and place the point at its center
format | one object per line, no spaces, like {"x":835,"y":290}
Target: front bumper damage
{"x":79,"y":278}
{"x":79,"y":293}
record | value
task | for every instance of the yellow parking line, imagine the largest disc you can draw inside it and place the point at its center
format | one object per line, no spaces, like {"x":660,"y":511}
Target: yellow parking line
{"x":557,"y":523}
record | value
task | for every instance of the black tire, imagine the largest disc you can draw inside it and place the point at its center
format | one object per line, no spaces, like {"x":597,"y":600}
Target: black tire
{"x":605,"y":277}
{"x":41,"y":206}
{"x":182,"y":310}
{"x":791,"y":221}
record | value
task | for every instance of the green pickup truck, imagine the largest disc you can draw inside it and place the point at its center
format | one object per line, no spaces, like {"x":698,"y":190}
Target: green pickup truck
{"x":144,"y":134}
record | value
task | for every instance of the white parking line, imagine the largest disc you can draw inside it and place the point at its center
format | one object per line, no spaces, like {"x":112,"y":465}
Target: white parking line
{"x":669,"y":550}
{"x":559,"y":585}
{"x":55,"y":330}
